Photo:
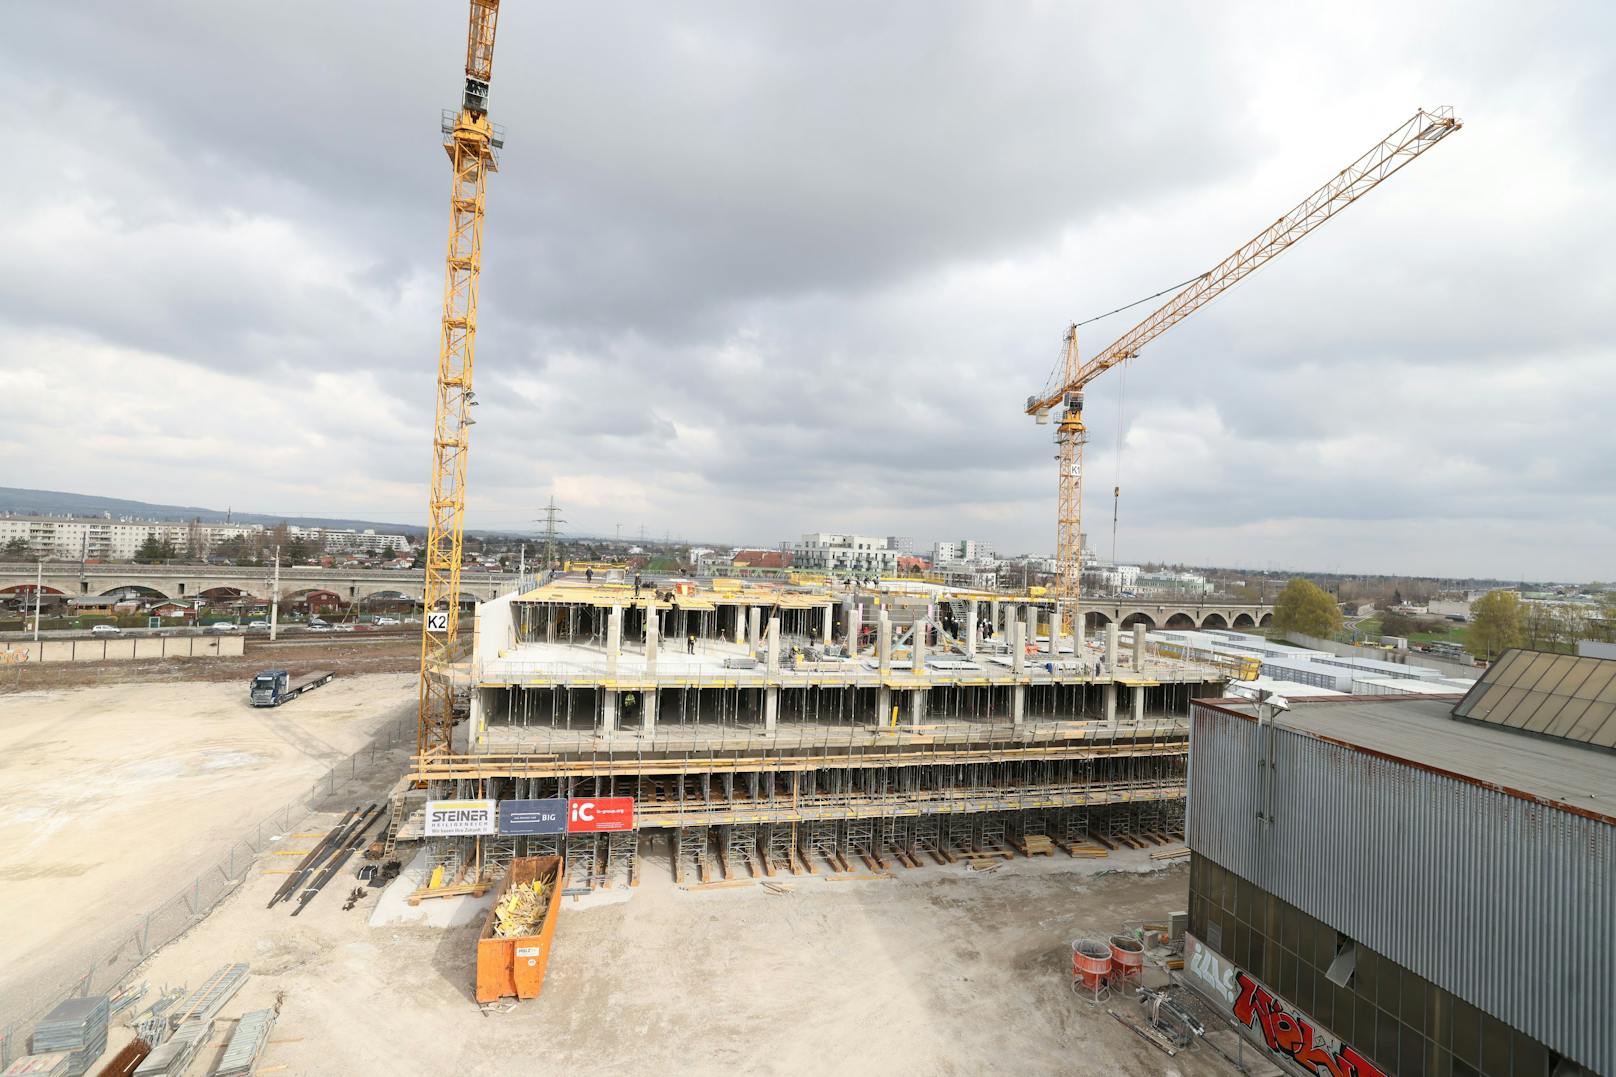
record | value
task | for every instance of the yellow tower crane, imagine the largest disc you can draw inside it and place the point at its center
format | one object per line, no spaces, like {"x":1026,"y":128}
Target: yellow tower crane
{"x":471,"y":142}
{"x":1411,"y":138}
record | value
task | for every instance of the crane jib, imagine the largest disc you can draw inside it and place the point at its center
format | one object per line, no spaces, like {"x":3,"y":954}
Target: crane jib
{"x":1410,"y":139}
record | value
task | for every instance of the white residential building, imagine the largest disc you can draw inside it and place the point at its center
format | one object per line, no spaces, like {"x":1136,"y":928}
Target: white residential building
{"x":849,"y":553}
{"x":971,"y":551}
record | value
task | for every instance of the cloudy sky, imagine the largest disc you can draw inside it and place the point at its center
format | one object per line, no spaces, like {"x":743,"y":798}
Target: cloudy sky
{"x":756,"y":269}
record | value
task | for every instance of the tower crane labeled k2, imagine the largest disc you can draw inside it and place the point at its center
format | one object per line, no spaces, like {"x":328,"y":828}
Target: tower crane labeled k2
{"x":472,"y":143}
{"x":1411,"y":138}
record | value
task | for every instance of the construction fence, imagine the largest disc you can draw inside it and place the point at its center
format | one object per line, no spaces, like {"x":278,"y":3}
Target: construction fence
{"x":143,"y":935}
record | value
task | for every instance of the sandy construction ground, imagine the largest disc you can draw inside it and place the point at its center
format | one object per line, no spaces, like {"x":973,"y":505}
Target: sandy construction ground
{"x":113,"y":797}
{"x":936,"y":972}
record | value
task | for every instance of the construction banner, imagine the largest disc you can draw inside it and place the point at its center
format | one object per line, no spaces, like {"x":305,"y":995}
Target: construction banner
{"x":458,"y":818}
{"x":533,"y":816}
{"x":602,"y":813}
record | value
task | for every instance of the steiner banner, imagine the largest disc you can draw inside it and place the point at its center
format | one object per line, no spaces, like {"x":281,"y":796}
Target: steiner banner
{"x":459,"y":818}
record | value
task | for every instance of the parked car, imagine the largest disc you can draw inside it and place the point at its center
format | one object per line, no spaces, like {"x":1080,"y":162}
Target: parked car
{"x":319,"y":626}
{"x":106,"y":630}
{"x":316,"y":622}
{"x":387,"y":620}
{"x":223,"y":626}
{"x":342,"y":628}
{"x":258,"y":624}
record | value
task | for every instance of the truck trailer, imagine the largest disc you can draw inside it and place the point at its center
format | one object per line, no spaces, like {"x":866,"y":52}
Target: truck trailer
{"x":273,"y":687}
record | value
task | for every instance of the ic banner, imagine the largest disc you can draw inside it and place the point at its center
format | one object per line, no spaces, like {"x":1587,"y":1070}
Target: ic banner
{"x":533,"y":816}
{"x":600,"y":813}
{"x":458,"y":818}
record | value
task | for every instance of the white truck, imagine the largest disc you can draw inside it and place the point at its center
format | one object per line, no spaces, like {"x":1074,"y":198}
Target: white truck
{"x":273,"y":687}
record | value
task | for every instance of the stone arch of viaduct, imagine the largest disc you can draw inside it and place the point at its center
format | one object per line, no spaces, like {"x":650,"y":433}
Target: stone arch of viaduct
{"x":215,"y":582}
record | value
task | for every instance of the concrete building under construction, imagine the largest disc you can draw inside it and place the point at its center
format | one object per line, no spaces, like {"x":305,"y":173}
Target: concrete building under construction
{"x":811,"y":726}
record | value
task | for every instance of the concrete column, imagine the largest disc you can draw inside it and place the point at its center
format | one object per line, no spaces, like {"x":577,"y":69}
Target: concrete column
{"x":1052,"y":644}
{"x":1030,"y":616}
{"x":1018,"y":650}
{"x":1018,"y":706}
{"x":1138,"y":647}
{"x":771,"y":709}
{"x":1111,"y":703}
{"x":917,"y":647}
{"x":917,"y":707}
{"x":1111,"y":647}
{"x":883,"y":642}
{"x":1077,"y":632}
{"x":476,"y":721}
{"x":855,"y":628}
{"x":648,"y":708}
{"x":772,"y":662}
{"x":883,"y":707}
{"x":970,"y":629}
{"x":608,"y":711}
{"x":993,"y":615}
{"x":825,"y":623}
{"x":651,"y":637}
{"x":549,"y":626}
{"x":754,"y":628}
{"x":1139,"y":703}
{"x":614,"y":638}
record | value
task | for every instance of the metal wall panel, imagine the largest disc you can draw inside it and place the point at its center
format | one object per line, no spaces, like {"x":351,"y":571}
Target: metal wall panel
{"x":1508,"y":904}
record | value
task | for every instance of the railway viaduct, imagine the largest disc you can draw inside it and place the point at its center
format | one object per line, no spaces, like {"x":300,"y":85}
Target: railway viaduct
{"x":353,"y":585}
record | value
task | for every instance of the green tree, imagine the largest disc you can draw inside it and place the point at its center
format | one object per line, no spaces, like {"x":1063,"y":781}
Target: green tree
{"x":1398,"y":624}
{"x":1495,"y":624}
{"x":151,"y":551}
{"x":16,"y":550}
{"x":1304,"y":607}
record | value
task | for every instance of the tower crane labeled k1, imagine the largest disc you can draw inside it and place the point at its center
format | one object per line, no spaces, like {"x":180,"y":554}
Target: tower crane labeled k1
{"x":1411,"y":138}
{"x":472,"y":143}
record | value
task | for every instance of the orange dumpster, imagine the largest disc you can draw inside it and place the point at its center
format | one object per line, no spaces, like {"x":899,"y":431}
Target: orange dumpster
{"x":515,"y":966}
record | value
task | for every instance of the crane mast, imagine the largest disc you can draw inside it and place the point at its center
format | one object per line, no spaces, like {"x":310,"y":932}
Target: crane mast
{"x":470,"y":141}
{"x":1408,"y":141}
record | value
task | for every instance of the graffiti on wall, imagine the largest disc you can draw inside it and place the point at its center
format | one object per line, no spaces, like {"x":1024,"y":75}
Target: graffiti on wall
{"x":1284,"y":1029}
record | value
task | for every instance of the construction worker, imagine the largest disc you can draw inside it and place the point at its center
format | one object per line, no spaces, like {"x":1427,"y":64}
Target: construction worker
{"x":690,"y":644}
{"x":589,"y":575}
{"x":636,"y":587}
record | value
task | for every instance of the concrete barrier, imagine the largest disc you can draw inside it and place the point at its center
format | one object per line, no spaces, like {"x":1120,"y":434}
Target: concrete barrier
{"x":121,"y":650}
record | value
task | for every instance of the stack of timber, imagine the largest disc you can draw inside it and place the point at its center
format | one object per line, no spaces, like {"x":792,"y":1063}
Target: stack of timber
{"x":125,"y":1062}
{"x":323,"y":861}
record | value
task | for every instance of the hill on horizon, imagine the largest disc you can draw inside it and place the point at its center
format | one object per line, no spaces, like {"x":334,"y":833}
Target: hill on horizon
{"x":22,"y":502}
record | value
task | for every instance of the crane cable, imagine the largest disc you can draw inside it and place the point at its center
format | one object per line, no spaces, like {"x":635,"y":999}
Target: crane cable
{"x":1054,"y":371}
{"x":1116,"y":485}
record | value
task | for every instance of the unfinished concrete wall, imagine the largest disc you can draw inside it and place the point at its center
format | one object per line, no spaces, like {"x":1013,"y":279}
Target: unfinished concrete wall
{"x":121,"y":649}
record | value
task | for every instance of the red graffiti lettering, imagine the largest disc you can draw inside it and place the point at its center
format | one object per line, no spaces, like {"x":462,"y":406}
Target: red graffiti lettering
{"x":1290,"y":1034}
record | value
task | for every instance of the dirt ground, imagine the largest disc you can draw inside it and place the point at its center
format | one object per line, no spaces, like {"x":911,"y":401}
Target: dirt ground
{"x":349,"y":654}
{"x":934,"y":973}
{"x":113,"y":798}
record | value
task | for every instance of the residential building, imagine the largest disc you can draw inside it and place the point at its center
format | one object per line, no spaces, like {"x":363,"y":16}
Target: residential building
{"x":973,"y":551}
{"x":846,"y":553}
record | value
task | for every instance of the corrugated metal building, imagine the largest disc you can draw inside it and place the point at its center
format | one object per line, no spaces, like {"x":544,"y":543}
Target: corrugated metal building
{"x":1378,"y":886}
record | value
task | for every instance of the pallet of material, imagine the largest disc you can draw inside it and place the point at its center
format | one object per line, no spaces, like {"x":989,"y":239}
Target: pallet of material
{"x":1035,"y":845}
{"x":1085,"y":850}
{"x":50,"y":1064}
{"x":173,"y":1057}
{"x":1171,"y":852}
{"x":246,"y":1044}
{"x":205,"y":1002}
